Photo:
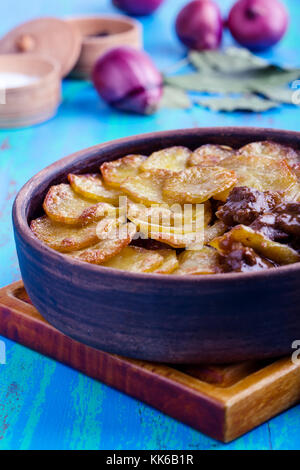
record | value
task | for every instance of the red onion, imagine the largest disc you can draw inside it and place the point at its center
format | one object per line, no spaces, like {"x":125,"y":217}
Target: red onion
{"x":199,"y":25}
{"x":127,"y":79}
{"x":138,"y":7}
{"x":258,"y":24}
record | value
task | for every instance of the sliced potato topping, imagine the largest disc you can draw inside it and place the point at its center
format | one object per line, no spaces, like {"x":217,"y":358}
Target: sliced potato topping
{"x":197,"y":184}
{"x":64,"y":238}
{"x":177,"y":229}
{"x":139,"y":211}
{"x":210,"y":155}
{"x":136,"y":260}
{"x":116,"y":172}
{"x":294,"y":193}
{"x":172,"y":160}
{"x":170,"y":262}
{"x":109,"y":247}
{"x":223,"y":195}
{"x":145,"y":188}
{"x":203,"y":261}
{"x":63,"y":205}
{"x":271,"y":149}
{"x":208,"y":213}
{"x":214,"y":231}
{"x":162,"y":219}
{"x":296,"y":170}
{"x":277,"y":252}
{"x":91,"y":186}
{"x":261,"y":172}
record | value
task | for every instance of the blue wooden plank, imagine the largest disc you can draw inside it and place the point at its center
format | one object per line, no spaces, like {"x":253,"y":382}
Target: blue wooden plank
{"x":44,"y":404}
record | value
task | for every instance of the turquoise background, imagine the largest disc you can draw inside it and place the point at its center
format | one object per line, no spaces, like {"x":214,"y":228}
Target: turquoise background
{"x":43,"y":404}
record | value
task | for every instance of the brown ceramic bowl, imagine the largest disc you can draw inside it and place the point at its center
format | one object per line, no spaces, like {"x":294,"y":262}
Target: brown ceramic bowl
{"x":165,"y":318}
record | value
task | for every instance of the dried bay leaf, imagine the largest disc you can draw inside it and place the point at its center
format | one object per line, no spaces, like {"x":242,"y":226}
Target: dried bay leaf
{"x":243,"y":103}
{"x":199,"y":60}
{"x":174,"y":97}
{"x":271,"y":76}
{"x":208,"y":83}
{"x":232,"y":60}
{"x":280,"y":94}
{"x":236,"y":71}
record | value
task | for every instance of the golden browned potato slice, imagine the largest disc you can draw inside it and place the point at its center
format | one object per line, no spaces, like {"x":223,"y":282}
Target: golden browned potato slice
{"x":63,"y":205}
{"x":116,"y":172}
{"x":145,"y":188}
{"x":210,"y":155}
{"x":271,"y":149}
{"x":177,"y":229}
{"x":91,"y":186}
{"x":293,"y":194}
{"x":208,"y":213}
{"x":170,"y":262}
{"x":223,"y":195}
{"x":281,"y":254}
{"x":64,"y":238}
{"x":197,"y":184}
{"x":214,"y":231}
{"x":171,"y":160}
{"x":136,"y":260}
{"x":261,"y":172}
{"x":111,"y":244}
{"x":296,"y":170}
{"x":162,"y":219}
{"x":203,"y":261}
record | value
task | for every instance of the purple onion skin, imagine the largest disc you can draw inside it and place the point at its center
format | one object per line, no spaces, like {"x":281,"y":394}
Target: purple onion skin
{"x":199,"y":25}
{"x":128,"y":80}
{"x":258,"y":24}
{"x":138,"y":7}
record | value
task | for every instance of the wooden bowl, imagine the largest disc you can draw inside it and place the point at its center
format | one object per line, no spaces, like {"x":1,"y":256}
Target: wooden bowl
{"x":100,"y":33}
{"x":49,"y":37}
{"x":165,"y":318}
{"x":33,"y":103}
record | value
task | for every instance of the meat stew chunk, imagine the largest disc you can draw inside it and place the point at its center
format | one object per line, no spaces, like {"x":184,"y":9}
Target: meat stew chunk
{"x":244,"y":205}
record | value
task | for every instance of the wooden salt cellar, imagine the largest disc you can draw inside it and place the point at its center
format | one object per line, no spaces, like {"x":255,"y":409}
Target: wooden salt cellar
{"x":101,"y":33}
{"x":46,"y":49}
{"x":33,"y":103}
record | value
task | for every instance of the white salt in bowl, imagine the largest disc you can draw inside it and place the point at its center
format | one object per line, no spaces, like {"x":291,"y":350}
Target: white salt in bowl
{"x":30,"y":89}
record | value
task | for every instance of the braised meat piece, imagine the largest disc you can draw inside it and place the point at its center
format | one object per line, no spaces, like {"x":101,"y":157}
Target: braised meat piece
{"x":149,"y":244}
{"x":282,"y":224}
{"x":268,"y":226}
{"x":241,"y":259}
{"x":288,"y":218}
{"x":245,"y":204}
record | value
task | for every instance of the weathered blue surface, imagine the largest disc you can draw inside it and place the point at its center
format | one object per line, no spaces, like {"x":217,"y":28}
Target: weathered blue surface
{"x":42,"y":403}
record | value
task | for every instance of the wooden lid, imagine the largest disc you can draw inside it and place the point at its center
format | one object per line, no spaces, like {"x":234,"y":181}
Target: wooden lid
{"x":50,"y":37}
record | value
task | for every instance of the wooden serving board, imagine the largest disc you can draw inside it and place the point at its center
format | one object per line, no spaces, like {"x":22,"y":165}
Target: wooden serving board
{"x":223,"y":402}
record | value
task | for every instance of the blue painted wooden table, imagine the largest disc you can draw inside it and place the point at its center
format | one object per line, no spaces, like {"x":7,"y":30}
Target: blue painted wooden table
{"x":43,"y":404}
